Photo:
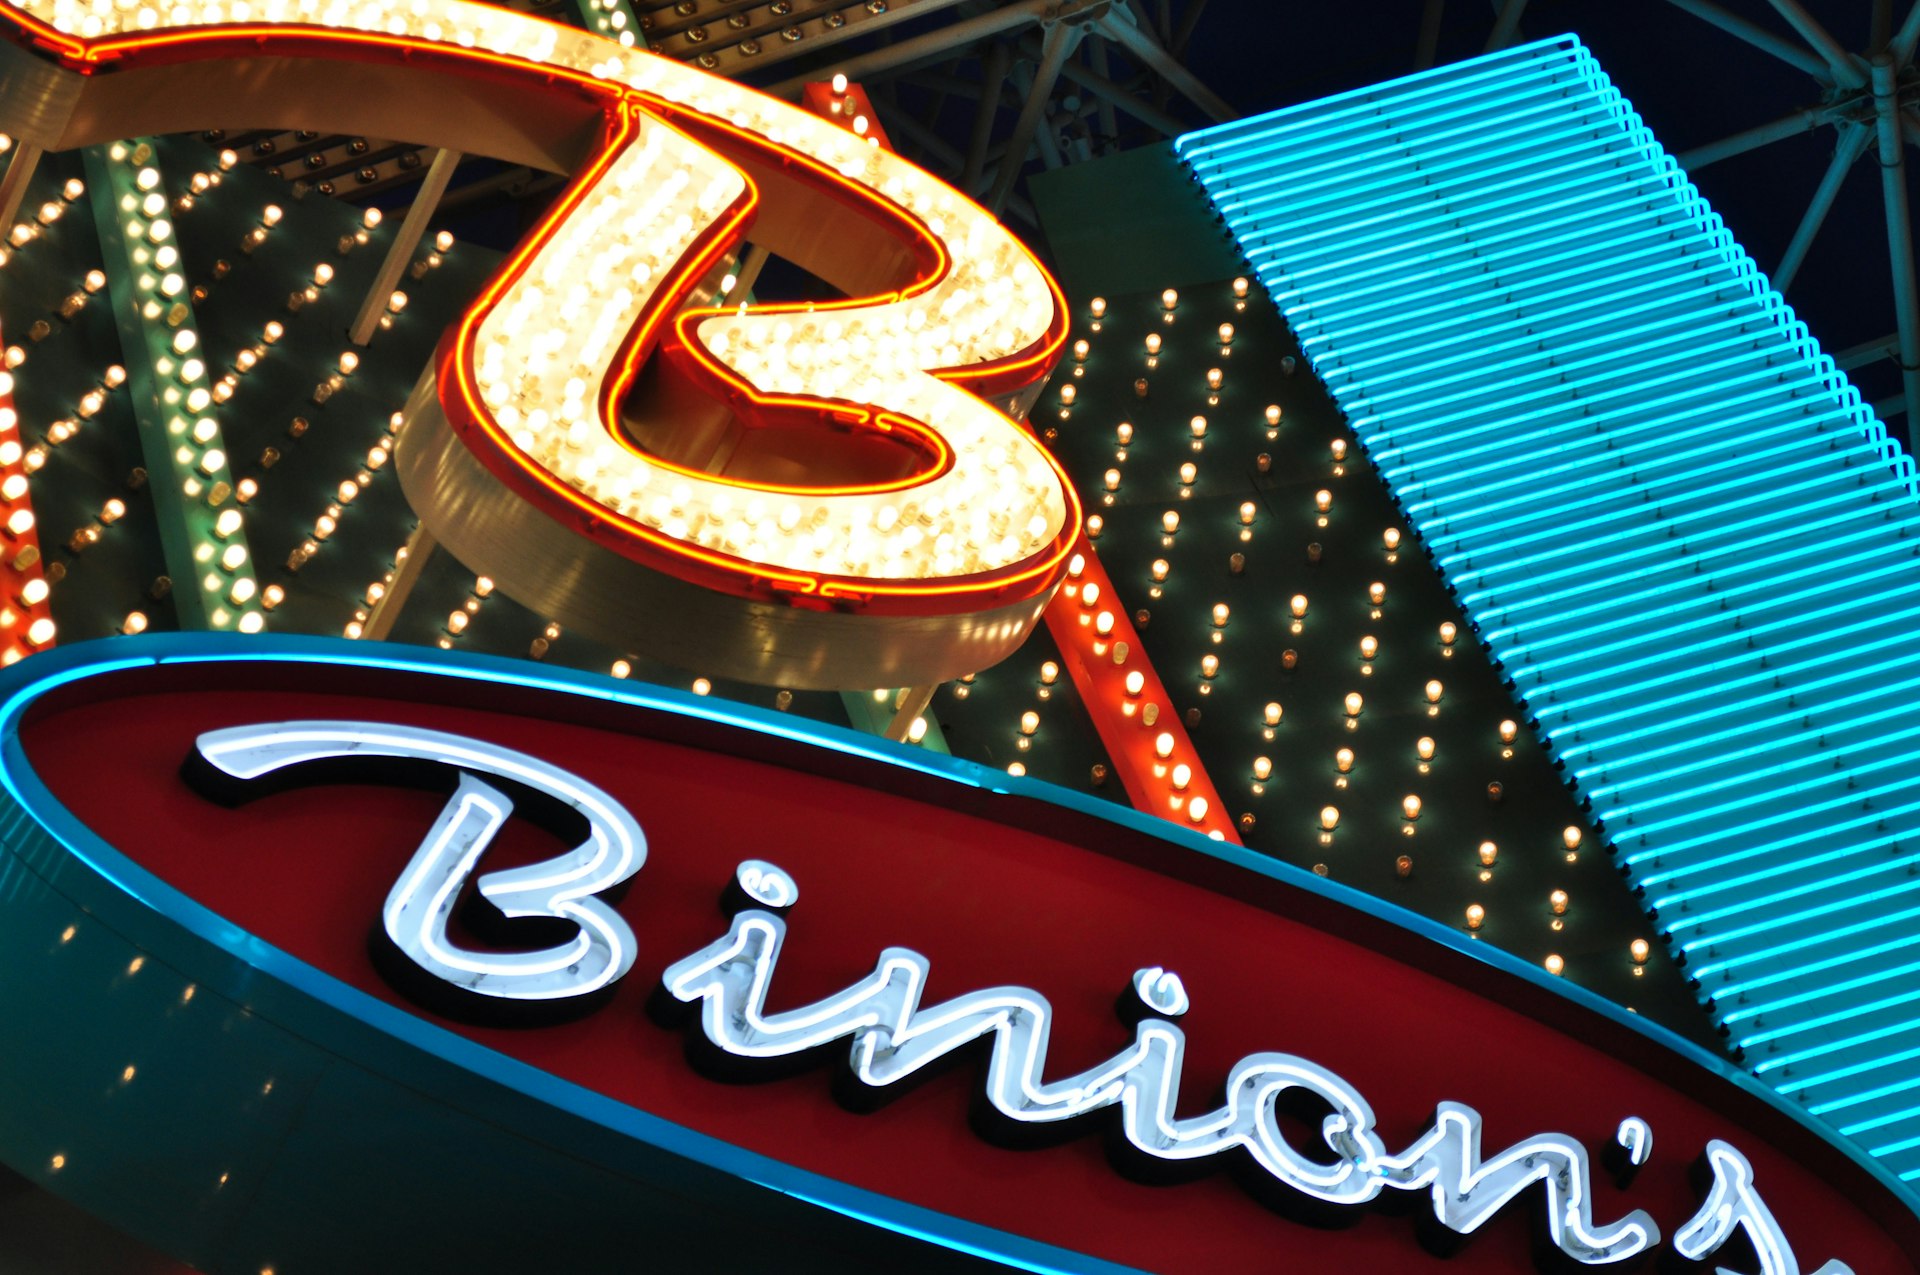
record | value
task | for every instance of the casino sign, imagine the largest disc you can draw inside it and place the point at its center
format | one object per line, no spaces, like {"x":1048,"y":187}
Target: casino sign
{"x":427,"y":942}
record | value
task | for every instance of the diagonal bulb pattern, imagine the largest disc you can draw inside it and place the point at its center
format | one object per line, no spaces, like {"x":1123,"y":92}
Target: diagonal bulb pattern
{"x":541,"y":353}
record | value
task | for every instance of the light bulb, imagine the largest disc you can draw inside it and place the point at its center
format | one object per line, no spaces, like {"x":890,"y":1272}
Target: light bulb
{"x":1163,"y":745}
{"x":1329,"y":817}
{"x":1273,"y":714}
{"x":1489,"y":852}
{"x":1476,"y":916}
{"x":1354,"y":703}
{"x":1262,"y":767}
{"x":1558,"y":902}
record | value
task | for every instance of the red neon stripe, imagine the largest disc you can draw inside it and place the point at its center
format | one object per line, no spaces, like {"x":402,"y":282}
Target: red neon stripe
{"x":1119,"y":717}
{"x":16,"y":615}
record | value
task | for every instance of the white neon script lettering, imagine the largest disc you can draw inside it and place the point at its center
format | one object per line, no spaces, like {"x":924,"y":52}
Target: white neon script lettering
{"x":892,"y":1036}
{"x":417,"y":909}
{"x":1732,"y":1204}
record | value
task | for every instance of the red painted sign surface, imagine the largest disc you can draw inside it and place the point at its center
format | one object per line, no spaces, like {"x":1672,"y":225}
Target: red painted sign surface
{"x":1067,"y":904}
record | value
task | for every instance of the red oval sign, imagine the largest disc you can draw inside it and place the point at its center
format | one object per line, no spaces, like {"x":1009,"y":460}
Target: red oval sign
{"x":996,"y":889}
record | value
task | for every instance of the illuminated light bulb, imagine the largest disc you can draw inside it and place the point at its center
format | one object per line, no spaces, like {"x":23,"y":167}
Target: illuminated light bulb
{"x":839,"y":83}
{"x":1076,"y":566}
{"x":1509,"y":730}
{"x":1434,"y":690}
{"x":1555,"y":965}
{"x":40,"y":632}
{"x":1029,"y":722}
{"x":1220,"y":614}
{"x":701,"y":686}
{"x":1136,"y":682}
{"x":1049,"y":673}
{"x":34,"y":592}
{"x":20,"y":522}
{"x":1124,"y":433}
{"x":457,"y":622}
{"x":271,"y":332}
{"x":1199,"y":426}
{"x":1159,"y":569}
{"x":1262,"y":767}
{"x":1338,"y":448}
{"x":1182,"y":776}
{"x":1639,"y":950}
{"x":1089,"y":595}
{"x":1391,"y":537}
{"x":1163,"y":745}
{"x":233,"y":557}
{"x":1098,"y":306}
{"x":1476,"y":916}
{"x":1240,"y":286}
{"x":916,"y":730}
{"x":1423,"y":748}
{"x":242,"y":591}
{"x":1273,"y":413}
{"x":113,"y":511}
{"x":271,"y":214}
{"x":1103,"y":624}
{"x":1489,"y":852}
{"x":272,"y":596}
{"x":1353,"y":703}
{"x":443,"y":241}
{"x":1080,"y":349}
{"x":1448,"y":632}
{"x":14,"y":486}
{"x":247,"y":490}
{"x":1369,"y":646}
{"x":1558,"y":902}
{"x":1169,"y":298}
{"x":323,"y":274}
{"x":1226,"y":334}
{"x":1272,"y":714}
{"x":1247,"y":512}
{"x":1343,"y":760}
{"x":1068,"y":393}
{"x":1170,"y":521}
{"x":1570,"y":836}
{"x":136,"y":622}
{"x":1153,"y":343}
{"x":349,"y":361}
{"x":1209,"y":665}
{"x":1214,"y":378}
{"x":1329,"y":817}
{"x":1095,"y":525}
{"x":482,"y":586}
{"x":1188,"y":472}
{"x":1197,"y":810}
{"x":1298,"y":605}
{"x":212,"y":460}
{"x":184,"y":340}
{"x":1112,"y":479}
{"x":1016,"y":768}
{"x":1376,"y":593}
{"x":860,"y":125}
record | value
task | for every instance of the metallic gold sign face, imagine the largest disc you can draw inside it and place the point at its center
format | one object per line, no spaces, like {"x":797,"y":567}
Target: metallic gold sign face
{"x":788,"y":469}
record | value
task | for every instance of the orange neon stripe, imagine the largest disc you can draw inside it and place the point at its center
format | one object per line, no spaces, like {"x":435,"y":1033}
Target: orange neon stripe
{"x":622,"y":106}
{"x":1116,"y":715}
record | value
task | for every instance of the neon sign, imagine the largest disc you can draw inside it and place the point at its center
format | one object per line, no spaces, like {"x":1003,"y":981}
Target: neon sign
{"x":963,"y":515}
{"x":893,"y":1038}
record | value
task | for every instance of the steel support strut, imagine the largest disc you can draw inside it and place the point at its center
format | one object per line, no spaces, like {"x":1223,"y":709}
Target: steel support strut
{"x":1893,"y":187}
